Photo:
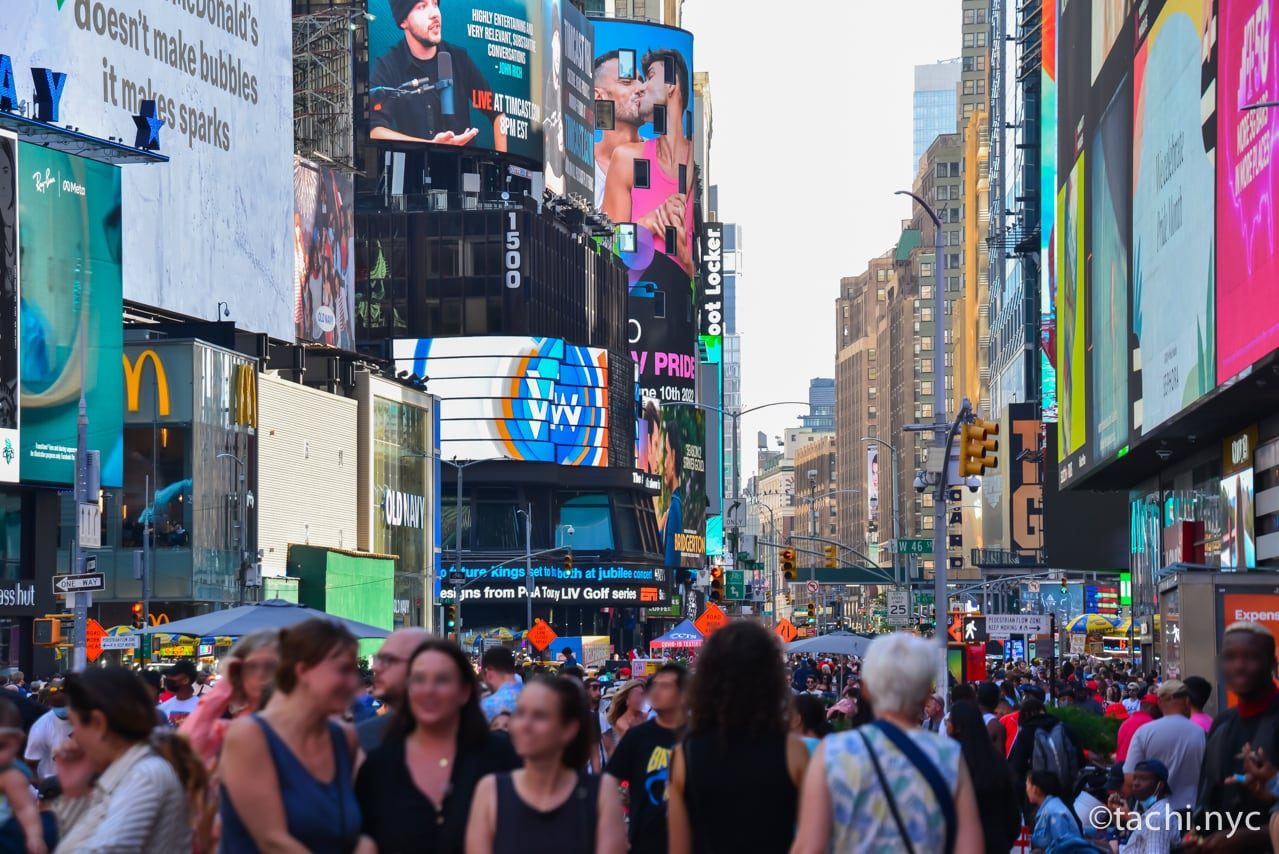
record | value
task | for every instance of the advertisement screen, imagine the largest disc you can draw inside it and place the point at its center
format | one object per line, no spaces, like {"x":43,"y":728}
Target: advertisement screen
{"x":644,"y":182}
{"x":596,"y":586}
{"x":531,"y":399}
{"x":1172,"y":216}
{"x":324,"y":254}
{"x":1247,"y":186}
{"x":10,"y":331}
{"x":503,"y":75}
{"x":69,"y":225}
{"x":1047,"y":213}
{"x":1109,"y":227}
{"x":1239,"y":533}
{"x":402,"y":519}
{"x":215,"y":216}
{"x":1072,"y":381}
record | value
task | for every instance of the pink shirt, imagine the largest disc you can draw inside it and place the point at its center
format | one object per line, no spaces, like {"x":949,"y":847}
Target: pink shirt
{"x":1126,"y":731}
{"x":660,"y":187}
{"x":1204,"y":720}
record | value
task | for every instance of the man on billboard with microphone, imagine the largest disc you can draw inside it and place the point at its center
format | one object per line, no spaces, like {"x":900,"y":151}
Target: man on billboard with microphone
{"x":422,"y":89}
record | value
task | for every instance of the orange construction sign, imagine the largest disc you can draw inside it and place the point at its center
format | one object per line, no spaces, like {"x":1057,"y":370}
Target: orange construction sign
{"x":93,"y":635}
{"x":786,"y":630}
{"x":541,"y":636}
{"x":712,"y":620}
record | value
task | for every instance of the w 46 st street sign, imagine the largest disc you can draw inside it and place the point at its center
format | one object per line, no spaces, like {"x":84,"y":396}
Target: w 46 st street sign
{"x":912,"y":546}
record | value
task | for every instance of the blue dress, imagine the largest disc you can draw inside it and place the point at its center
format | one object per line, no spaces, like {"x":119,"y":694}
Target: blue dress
{"x":324,"y":817}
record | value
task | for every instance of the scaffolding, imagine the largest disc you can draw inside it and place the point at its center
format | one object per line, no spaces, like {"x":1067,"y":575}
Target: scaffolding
{"x":323,"y":84}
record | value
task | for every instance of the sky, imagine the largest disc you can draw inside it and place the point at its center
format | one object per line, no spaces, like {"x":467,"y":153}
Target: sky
{"x":807,"y":157}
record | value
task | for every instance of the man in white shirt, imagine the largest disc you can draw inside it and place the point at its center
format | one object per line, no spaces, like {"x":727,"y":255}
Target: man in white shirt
{"x":49,"y":731}
{"x":1175,"y":740}
{"x":181,"y":681}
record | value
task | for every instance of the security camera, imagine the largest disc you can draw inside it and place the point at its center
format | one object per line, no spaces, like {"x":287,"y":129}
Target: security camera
{"x":1164,"y":454}
{"x":973,"y":482}
{"x":570,"y":530}
{"x":920,"y":483}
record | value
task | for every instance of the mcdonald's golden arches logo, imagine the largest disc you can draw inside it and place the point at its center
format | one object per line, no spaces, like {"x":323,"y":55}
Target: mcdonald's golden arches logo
{"x":133,"y":380}
{"x":246,"y":396}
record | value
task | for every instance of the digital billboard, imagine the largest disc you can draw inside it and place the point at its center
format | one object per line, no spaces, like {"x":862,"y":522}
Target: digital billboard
{"x":214,"y":218}
{"x":530,"y":399}
{"x":1071,"y":293}
{"x":1047,"y":212}
{"x":599,"y":586}
{"x":70,"y":221}
{"x":1247,"y":185}
{"x":645,"y":181}
{"x":324,"y":254}
{"x":10,"y":330}
{"x":1172,"y":249}
{"x":504,"y":75}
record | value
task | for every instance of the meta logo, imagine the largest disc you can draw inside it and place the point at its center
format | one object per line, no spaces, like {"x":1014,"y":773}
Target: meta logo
{"x":48,"y":90}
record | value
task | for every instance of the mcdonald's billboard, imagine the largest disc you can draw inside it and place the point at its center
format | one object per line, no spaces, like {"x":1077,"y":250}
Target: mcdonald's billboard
{"x":157,"y":382}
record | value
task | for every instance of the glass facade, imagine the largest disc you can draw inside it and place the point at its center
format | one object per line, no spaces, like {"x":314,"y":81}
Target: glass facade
{"x":934,"y":115}
{"x":401,"y":491}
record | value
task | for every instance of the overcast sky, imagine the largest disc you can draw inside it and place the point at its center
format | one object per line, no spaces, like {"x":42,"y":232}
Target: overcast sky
{"x":812,"y":112}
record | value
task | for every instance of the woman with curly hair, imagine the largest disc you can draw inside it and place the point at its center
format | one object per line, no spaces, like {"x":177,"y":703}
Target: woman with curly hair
{"x":739,"y":757}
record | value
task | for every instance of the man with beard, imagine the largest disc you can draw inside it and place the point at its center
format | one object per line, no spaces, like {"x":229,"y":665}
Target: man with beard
{"x":624,"y":92}
{"x":441,"y":116}
{"x":664,"y":202}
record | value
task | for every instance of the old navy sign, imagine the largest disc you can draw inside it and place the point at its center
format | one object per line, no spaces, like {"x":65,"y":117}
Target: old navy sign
{"x":402,"y":510}
{"x":711,"y":276}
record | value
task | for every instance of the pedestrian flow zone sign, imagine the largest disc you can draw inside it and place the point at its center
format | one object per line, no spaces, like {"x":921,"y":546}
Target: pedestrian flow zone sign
{"x":1005,"y":625}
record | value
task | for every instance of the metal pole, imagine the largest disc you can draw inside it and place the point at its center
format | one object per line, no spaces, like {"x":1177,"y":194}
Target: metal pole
{"x":820,"y":596}
{"x":146,"y":552}
{"x":81,"y":610}
{"x":457,"y":545}
{"x":939,"y":418}
{"x":528,"y":569}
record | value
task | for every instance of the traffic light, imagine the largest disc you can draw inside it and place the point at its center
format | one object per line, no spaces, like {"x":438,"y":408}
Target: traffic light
{"x":812,"y":612}
{"x":788,"y":564}
{"x":717,"y":584}
{"x":568,"y":560}
{"x":977,"y":453}
{"x":1065,"y":588}
{"x":832,"y":559}
{"x":139,"y":618}
{"x":450,"y":619}
{"x":47,"y":631}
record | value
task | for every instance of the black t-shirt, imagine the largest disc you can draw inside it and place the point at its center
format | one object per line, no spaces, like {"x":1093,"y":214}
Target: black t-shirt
{"x":399,"y":818}
{"x":643,"y":761}
{"x":422,"y":114}
{"x":1229,"y":733}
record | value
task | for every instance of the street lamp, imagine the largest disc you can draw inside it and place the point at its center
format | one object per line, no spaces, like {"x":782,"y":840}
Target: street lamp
{"x":939,"y":418}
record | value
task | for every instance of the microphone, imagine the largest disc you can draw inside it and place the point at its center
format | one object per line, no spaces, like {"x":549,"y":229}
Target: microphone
{"x":445,"y":82}
{"x":415,"y":84}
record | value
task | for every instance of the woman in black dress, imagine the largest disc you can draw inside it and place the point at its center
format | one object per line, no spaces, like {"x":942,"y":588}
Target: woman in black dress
{"x":550,"y":805}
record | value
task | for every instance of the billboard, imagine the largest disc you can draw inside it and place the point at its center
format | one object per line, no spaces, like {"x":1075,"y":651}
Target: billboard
{"x":872,"y":482}
{"x":1072,"y":381}
{"x":503,"y":75}
{"x":70,"y":244}
{"x":1247,"y":186}
{"x":10,"y":330}
{"x":323,"y":254}
{"x":1047,"y":213}
{"x":221,"y":75}
{"x":522,"y":398}
{"x":672,"y":447}
{"x":599,"y":586}
{"x":1172,"y":242}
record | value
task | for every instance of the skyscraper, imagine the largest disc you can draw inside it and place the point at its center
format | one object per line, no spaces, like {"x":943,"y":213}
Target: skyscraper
{"x":821,"y":405}
{"x":936,"y":105}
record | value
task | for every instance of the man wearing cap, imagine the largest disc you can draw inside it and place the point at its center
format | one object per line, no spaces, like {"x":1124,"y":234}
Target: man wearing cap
{"x":180,"y":678}
{"x":1152,"y":822}
{"x":1146,"y":712}
{"x":1175,"y":740}
{"x":1132,"y":702}
{"x":428,"y":115}
{"x":934,"y":709}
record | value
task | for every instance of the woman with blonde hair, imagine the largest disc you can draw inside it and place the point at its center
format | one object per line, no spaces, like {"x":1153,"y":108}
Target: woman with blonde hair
{"x":624,"y":711}
{"x":247,"y":673}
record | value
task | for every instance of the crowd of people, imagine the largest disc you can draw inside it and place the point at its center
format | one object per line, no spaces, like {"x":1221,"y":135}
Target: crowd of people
{"x":291,"y":749}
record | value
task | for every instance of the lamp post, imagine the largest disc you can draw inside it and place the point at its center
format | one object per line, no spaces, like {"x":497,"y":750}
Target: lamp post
{"x":240,"y":540}
{"x":940,"y":435}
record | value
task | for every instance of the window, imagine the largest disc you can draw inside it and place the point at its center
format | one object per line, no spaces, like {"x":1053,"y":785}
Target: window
{"x":970,"y":87}
{"x":871,"y":412}
{"x":879,"y":294}
{"x":881,"y":275}
{"x":968,"y":40}
{"x":926,"y":343}
{"x":926,"y":410}
{"x":926,"y":314}
{"x":970,"y":63}
{"x":926,"y":291}
{"x":981,"y":39}
{"x":926,"y":388}
{"x":872,"y":355}
{"x":592,"y":526}
{"x":925,"y":268}
{"x":970,"y":16}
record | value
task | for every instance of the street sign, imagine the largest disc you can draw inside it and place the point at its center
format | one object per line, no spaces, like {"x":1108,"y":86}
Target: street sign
{"x":93,"y":635}
{"x":541,"y":636}
{"x":735,"y":585}
{"x":120,"y":642}
{"x":87,"y":582}
{"x":1005,"y":625}
{"x":786,"y":630}
{"x":899,"y":608}
{"x":914,"y":547}
{"x":813,"y":586}
{"x":90,"y":526}
{"x":457,"y":577}
{"x":712,"y":620}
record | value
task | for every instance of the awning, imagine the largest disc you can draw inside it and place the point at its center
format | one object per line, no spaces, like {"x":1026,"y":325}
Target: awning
{"x":683,"y":636}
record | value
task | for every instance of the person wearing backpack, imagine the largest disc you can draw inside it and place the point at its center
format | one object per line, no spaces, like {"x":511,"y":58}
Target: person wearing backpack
{"x":1030,"y":748}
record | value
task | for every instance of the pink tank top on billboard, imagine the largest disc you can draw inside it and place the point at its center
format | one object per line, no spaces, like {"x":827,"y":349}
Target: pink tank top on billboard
{"x":660,"y":187}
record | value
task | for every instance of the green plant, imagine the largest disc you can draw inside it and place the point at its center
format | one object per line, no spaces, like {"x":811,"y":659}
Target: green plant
{"x":1090,"y":732}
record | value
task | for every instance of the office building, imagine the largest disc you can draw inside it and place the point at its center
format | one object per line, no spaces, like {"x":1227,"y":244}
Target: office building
{"x":936,"y":105}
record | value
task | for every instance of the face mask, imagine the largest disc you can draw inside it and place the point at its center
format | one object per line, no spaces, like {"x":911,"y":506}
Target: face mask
{"x":1147,"y":803}
{"x":61,"y":713}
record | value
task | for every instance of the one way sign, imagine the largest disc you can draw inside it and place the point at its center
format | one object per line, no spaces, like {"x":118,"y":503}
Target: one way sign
{"x":84,"y":583}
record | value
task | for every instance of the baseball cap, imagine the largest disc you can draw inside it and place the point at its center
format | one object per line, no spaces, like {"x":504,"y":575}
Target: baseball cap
{"x":186,"y":668}
{"x":1091,"y":685}
{"x":1151,"y":699}
{"x":1172,"y":688}
{"x":1153,"y":766}
{"x":1134,"y":686}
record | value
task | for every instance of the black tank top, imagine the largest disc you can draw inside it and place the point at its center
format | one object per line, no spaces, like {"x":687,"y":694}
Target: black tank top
{"x":567,"y":829}
{"x":739,"y":796}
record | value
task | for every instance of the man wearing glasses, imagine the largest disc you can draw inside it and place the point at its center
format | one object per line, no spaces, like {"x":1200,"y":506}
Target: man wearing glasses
{"x":390,"y":678}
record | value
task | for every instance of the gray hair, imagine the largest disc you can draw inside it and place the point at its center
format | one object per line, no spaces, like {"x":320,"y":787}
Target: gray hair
{"x":898,"y":672}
